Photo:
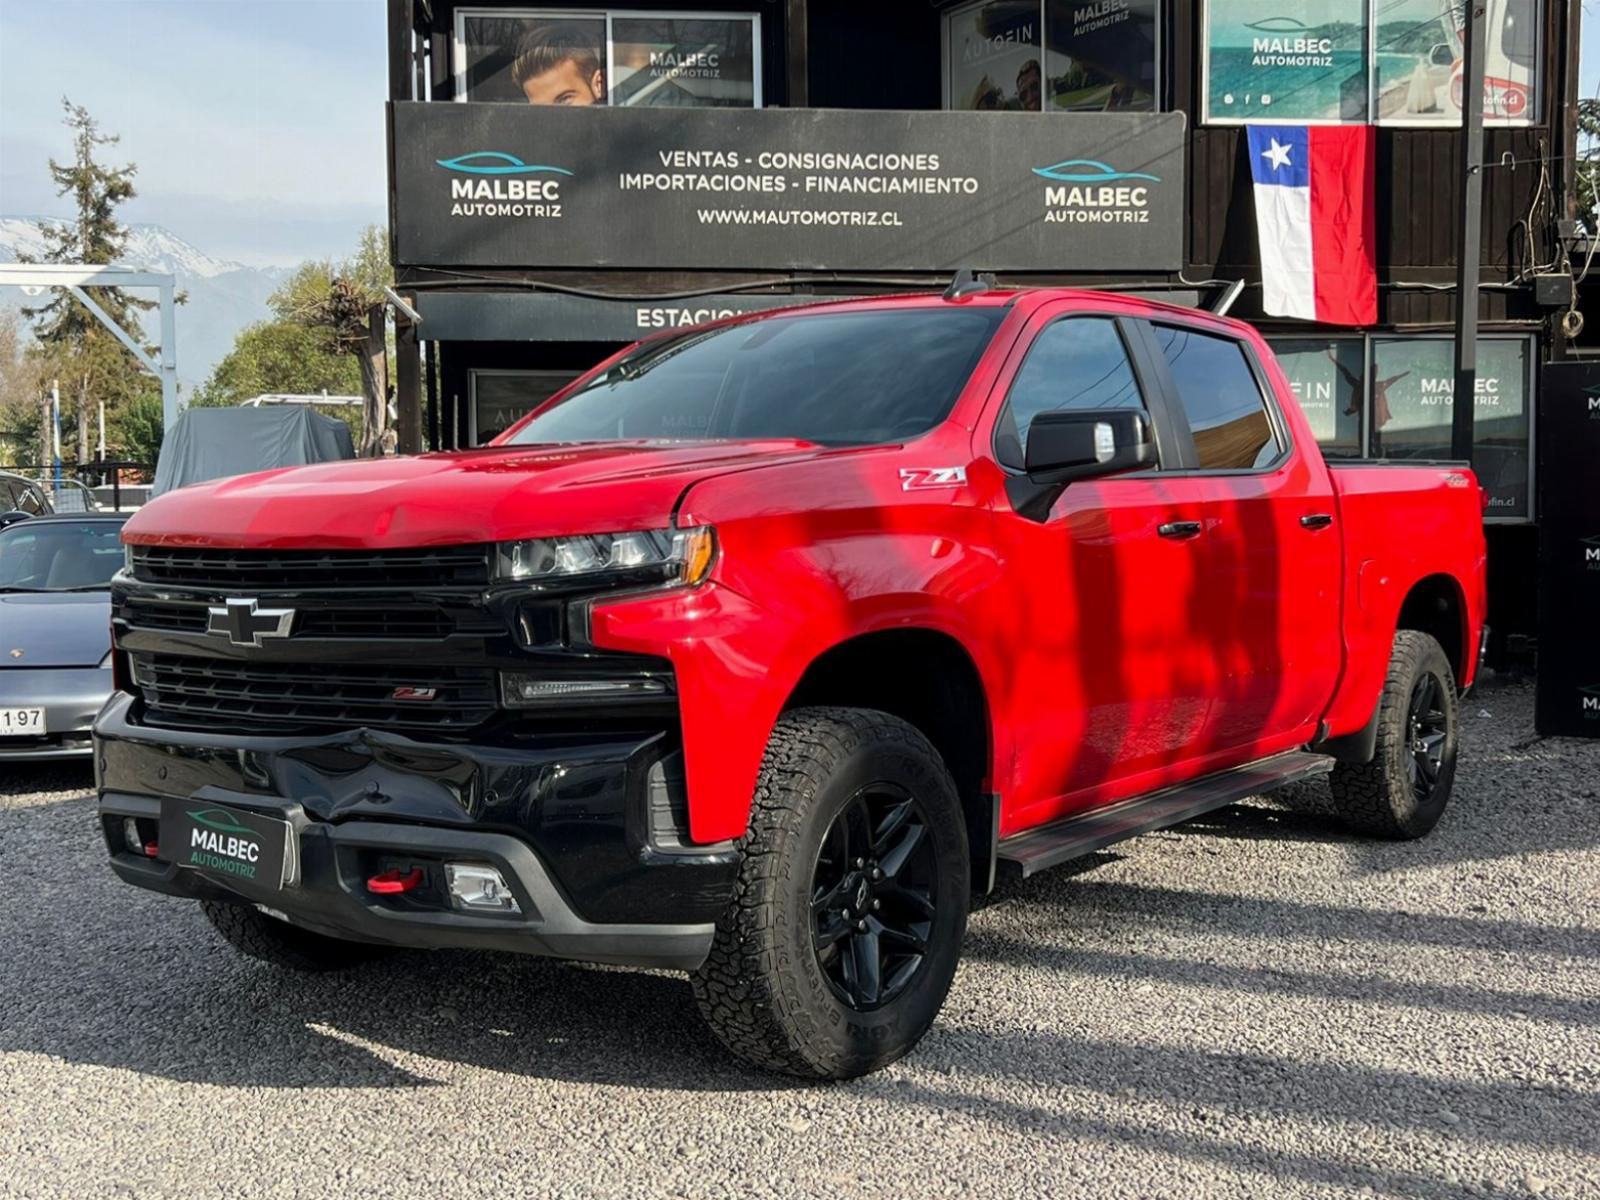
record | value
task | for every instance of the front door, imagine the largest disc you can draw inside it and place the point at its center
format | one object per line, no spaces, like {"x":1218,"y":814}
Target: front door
{"x":1110,"y":682}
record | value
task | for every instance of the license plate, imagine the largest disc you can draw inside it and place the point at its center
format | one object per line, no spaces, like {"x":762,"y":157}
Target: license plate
{"x":227,"y":843}
{"x":21,"y":722}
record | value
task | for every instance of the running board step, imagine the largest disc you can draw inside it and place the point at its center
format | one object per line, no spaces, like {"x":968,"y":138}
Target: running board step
{"x":1035,"y":849}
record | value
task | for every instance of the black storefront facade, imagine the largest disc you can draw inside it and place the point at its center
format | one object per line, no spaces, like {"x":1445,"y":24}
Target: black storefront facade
{"x":566,"y":178}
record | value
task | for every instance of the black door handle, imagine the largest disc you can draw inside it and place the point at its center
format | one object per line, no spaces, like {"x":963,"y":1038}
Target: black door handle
{"x":1179,"y":529}
{"x":1317,"y":520}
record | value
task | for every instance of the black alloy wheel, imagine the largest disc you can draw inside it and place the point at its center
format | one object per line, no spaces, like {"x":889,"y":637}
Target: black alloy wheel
{"x":872,"y":896}
{"x":1427,"y":726}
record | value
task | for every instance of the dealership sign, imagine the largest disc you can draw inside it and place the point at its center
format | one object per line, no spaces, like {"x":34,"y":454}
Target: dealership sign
{"x":507,"y":185}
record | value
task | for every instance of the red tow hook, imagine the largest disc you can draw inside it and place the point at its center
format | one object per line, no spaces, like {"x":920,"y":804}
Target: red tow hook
{"x":394,"y":881}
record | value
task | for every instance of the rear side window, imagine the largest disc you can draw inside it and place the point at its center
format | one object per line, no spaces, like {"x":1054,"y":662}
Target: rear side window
{"x":1221,"y":398}
{"x":1075,"y":364}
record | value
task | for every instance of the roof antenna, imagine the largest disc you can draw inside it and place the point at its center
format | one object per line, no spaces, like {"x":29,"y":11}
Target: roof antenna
{"x":967,"y":282}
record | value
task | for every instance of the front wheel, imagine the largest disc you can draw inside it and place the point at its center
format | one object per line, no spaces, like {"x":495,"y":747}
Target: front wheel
{"x":842,"y":936}
{"x":1402,"y":792}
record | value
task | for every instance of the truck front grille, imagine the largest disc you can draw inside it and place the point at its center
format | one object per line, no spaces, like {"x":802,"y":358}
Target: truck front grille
{"x":246,"y":572}
{"x":266,"y":696}
{"x":384,"y":620}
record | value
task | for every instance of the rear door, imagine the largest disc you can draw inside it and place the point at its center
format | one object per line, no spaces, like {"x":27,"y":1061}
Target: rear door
{"x":1266,"y":542}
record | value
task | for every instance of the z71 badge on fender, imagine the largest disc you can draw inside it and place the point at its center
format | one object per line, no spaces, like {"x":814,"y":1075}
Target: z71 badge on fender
{"x":916,"y":479}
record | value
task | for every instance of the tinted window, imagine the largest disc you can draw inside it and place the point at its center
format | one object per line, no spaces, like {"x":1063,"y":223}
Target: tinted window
{"x":1220,"y":396}
{"x":1077,"y":363}
{"x":838,"y":379}
{"x":8,"y":496}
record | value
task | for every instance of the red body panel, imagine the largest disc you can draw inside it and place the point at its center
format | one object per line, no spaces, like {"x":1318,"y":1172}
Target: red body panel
{"x":1112,"y":660}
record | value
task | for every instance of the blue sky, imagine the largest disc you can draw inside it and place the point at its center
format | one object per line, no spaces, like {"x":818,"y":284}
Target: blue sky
{"x":257,"y":124}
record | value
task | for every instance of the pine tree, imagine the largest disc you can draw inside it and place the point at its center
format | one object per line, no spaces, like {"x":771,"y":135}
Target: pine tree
{"x":82,"y":349}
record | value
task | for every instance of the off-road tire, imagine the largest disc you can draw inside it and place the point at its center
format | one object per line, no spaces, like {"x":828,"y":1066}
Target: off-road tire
{"x":1377,"y":797}
{"x":763,"y":989}
{"x":252,"y":932}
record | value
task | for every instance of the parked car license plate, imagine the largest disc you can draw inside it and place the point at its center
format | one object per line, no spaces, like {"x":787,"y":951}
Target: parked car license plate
{"x":21,"y":722}
{"x":227,"y":843}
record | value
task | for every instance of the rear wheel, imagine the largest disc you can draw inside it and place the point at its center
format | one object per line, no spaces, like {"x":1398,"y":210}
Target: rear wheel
{"x":839,"y":945}
{"x":1402,"y":792}
{"x":253,"y":932}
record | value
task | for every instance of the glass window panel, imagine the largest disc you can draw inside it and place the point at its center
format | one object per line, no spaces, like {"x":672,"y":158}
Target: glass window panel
{"x":686,"y":62}
{"x":1412,"y":384}
{"x":993,"y":56}
{"x":1079,"y":363}
{"x":502,"y":398}
{"x":1221,"y":399}
{"x":1100,"y":55}
{"x":1417,"y":45}
{"x":1297,"y":60}
{"x":1328,"y":377}
{"x":543,"y":57}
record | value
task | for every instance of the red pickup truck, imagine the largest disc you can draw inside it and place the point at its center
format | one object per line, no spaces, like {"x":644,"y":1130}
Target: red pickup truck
{"x":765,"y":645}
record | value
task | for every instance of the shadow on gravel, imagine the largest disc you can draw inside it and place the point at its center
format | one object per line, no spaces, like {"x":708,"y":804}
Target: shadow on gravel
{"x":93,"y":971}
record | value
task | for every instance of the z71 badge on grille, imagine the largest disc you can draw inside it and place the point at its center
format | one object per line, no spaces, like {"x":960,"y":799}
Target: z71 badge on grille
{"x":244,"y":624}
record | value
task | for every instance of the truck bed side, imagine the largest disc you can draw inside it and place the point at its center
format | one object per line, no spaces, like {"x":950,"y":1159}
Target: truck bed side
{"x":1410,"y":531}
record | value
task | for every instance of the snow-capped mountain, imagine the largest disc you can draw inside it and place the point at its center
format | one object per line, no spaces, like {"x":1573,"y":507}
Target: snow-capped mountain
{"x":149,"y":247}
{"x":223,"y":296}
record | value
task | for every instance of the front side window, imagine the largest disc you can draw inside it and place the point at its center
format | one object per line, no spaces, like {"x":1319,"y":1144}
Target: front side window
{"x":837,"y":379}
{"x":1221,"y":399}
{"x":1077,"y":363}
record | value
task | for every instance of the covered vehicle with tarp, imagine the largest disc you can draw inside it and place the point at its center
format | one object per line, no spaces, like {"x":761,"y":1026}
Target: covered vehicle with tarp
{"x":213,"y":443}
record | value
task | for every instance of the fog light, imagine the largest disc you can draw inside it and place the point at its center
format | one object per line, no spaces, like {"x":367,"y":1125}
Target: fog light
{"x":134,"y":839}
{"x":479,"y":887}
{"x":520,"y":690}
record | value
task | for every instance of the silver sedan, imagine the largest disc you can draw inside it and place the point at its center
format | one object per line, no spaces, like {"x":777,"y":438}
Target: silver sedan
{"x":55,"y":631}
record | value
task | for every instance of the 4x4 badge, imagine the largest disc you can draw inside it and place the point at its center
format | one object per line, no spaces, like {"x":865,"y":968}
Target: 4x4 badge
{"x":244,"y":624}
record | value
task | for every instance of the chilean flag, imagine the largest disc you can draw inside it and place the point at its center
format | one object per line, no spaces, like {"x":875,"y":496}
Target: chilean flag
{"x":1314,"y":217}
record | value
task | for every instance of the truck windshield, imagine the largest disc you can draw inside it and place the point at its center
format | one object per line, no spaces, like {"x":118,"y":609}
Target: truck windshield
{"x":840,"y":379}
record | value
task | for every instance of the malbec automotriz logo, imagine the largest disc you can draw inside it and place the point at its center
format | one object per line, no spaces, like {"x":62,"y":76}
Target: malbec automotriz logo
{"x":497,"y":186}
{"x":1085,"y":191}
{"x":221,"y":843}
{"x":1591,"y":552}
{"x":1590,"y":700}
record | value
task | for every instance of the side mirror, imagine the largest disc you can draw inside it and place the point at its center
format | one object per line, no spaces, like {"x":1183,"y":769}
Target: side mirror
{"x":12,"y":517}
{"x":1441,"y":55}
{"x":1081,"y":444}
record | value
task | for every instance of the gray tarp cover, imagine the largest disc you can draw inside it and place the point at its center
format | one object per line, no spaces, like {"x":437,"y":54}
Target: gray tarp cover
{"x":211,"y":443}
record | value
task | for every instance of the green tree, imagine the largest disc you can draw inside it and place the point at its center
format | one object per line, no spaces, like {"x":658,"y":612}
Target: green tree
{"x":278,"y":356}
{"x":21,"y":395}
{"x":85,"y":354}
{"x":1588,"y":176}
{"x":326,"y":334}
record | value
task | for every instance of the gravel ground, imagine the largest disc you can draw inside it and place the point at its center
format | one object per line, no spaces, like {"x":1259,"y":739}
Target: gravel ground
{"x":1255,"y":1004}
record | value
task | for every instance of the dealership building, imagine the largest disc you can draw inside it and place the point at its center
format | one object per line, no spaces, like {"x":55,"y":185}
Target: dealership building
{"x":564,"y":180}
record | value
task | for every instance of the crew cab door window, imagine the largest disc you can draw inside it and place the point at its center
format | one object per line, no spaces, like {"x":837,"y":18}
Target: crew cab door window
{"x":1219,"y":395}
{"x":1076,"y":363}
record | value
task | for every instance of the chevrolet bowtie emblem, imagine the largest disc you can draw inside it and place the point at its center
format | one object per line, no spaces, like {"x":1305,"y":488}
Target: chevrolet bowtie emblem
{"x":244,"y":624}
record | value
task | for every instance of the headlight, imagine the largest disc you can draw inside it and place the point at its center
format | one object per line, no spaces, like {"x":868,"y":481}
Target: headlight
{"x":650,"y":556}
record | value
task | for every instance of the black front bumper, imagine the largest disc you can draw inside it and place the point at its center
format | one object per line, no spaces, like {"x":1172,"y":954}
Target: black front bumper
{"x":580,"y":823}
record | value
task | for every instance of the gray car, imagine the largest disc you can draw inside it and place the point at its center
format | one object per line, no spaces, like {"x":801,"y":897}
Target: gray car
{"x":55,"y":631}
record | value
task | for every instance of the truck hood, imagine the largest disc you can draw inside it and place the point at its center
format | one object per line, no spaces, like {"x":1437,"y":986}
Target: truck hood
{"x":492,"y":494}
{"x":54,"y":629}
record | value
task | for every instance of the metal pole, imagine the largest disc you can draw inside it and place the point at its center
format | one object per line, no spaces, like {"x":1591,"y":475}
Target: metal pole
{"x":100,"y":452}
{"x":1464,"y":397}
{"x":169,"y":359}
{"x":55,"y":430}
